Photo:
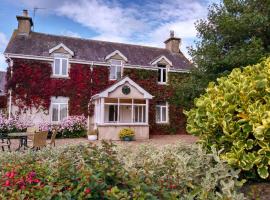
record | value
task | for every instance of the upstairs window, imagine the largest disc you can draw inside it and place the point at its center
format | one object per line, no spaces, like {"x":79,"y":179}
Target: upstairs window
{"x":60,"y":66}
{"x":115,"y":69}
{"x":162,"y":74}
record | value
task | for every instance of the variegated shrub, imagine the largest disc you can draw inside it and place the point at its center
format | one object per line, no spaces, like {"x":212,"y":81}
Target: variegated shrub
{"x":234,"y":115}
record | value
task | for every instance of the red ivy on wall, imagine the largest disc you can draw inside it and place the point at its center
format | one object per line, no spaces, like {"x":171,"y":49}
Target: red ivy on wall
{"x":33,"y":87}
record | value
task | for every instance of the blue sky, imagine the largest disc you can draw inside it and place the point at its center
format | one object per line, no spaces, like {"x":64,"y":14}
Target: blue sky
{"x":138,"y":21}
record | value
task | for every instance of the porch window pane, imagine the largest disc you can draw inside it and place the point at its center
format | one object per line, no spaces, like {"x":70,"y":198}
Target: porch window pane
{"x":63,"y":111}
{"x":139,"y":114}
{"x":125,"y":114}
{"x":113,"y":112}
{"x":55,"y":113}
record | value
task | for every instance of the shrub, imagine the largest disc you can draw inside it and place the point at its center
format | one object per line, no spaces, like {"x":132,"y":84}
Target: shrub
{"x":109,"y":172}
{"x":73,"y":126}
{"x":233,"y":115}
{"x":126,"y":133}
{"x":14,"y":124}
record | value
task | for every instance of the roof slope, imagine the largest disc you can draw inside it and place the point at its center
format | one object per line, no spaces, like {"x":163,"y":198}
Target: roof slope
{"x":38,"y":44}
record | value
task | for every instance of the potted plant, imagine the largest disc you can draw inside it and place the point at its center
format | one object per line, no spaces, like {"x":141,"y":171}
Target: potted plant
{"x":92,"y":135}
{"x":126,"y":134}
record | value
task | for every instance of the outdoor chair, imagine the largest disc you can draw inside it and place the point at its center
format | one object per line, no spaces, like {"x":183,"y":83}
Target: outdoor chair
{"x":39,"y":140}
{"x":31,"y":130}
{"x":4,"y":142}
{"x":54,"y":133}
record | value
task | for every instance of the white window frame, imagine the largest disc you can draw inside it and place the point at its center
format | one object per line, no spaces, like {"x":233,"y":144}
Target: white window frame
{"x":58,"y":102}
{"x":162,"y":82}
{"x":160,"y":107}
{"x":116,"y":66}
{"x":60,"y":57}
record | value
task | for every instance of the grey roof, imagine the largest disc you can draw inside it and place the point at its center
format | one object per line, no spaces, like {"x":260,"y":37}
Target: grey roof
{"x":2,"y":83}
{"x":38,"y":44}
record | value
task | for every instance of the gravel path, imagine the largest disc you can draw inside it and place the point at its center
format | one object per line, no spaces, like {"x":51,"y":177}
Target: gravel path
{"x":157,"y":140}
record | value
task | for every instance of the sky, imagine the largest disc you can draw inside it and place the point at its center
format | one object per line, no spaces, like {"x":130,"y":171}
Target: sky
{"x":144,"y":22}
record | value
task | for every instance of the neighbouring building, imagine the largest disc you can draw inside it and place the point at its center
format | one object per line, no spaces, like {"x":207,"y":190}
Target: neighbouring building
{"x":115,"y":85}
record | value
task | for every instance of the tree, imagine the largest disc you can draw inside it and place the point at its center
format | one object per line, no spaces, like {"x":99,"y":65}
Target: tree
{"x":236,"y":33}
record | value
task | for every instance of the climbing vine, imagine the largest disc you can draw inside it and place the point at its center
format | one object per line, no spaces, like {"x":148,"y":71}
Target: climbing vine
{"x":33,"y":86}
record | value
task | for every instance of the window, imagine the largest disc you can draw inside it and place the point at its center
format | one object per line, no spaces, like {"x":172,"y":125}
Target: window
{"x":115,"y":69}
{"x":162,"y":74}
{"x":59,"y":109}
{"x":162,"y":113}
{"x":139,"y":114}
{"x":60,"y":66}
{"x":113,"y":113}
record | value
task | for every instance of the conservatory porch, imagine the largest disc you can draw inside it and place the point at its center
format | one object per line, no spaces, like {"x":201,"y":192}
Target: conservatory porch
{"x":123,"y":105}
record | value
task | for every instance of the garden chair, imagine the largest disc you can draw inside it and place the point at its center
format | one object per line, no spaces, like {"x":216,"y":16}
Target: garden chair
{"x":4,"y":142}
{"x":31,"y":130}
{"x":54,"y":133}
{"x":39,"y":140}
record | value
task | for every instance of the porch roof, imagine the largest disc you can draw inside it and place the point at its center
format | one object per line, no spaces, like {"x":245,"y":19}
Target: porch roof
{"x":123,"y":81}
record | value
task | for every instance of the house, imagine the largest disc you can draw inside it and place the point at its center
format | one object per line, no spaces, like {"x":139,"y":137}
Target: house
{"x":3,"y":97}
{"x":115,"y":85}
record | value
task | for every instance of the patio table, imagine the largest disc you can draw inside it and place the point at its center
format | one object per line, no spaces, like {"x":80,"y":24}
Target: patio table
{"x":22,"y":136}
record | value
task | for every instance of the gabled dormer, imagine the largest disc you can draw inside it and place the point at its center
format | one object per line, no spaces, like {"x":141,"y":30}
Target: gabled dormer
{"x":116,"y":60}
{"x":61,"y":55}
{"x":163,"y":64}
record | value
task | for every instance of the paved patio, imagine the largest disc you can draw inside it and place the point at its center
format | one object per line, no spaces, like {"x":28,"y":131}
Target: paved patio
{"x":157,"y":140}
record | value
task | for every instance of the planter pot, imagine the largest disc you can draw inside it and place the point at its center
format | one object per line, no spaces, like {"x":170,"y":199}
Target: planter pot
{"x":128,"y":139}
{"x":92,"y":137}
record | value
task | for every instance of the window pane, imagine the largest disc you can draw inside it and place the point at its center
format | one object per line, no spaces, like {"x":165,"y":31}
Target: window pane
{"x":64,"y":67}
{"x":164,"y":75}
{"x":63,"y":111}
{"x":112,"y":73}
{"x":159,"y":75}
{"x":164,"y":114}
{"x":57,"y":66}
{"x":116,"y":62}
{"x":55,"y":113}
{"x":118,"y":73}
{"x":113,"y":113}
{"x":158,"y":114}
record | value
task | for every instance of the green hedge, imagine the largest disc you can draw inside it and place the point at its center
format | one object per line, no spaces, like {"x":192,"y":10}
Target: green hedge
{"x":109,"y":172}
{"x":234,"y":116}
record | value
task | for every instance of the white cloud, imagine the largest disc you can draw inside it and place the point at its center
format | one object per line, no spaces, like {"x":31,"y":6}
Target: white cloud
{"x":71,"y":34}
{"x":145,"y":23}
{"x":3,"y":44}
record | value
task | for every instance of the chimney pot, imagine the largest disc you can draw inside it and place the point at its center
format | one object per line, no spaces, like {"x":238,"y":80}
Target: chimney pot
{"x":25,"y":13}
{"x":173,"y":43}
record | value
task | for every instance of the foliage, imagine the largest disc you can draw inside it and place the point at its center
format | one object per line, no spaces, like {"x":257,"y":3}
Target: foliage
{"x":126,"y":133}
{"x":233,"y":115}
{"x":109,"y":172}
{"x":235,"y":34}
{"x":14,"y":124}
{"x":73,"y":126}
{"x":148,"y":80}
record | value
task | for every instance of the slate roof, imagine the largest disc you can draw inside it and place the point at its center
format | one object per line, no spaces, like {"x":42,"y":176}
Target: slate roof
{"x":2,"y":83}
{"x":38,"y":44}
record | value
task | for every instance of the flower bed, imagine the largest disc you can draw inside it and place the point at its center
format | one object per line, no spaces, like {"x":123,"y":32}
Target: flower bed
{"x":109,"y":172}
{"x":73,"y":126}
{"x":12,"y":125}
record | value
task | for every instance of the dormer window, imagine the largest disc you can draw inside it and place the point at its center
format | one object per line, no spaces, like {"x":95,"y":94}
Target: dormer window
{"x":115,"y":69}
{"x":60,"y":66}
{"x":162,"y":74}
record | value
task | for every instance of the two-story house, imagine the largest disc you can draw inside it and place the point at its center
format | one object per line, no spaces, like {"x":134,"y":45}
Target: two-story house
{"x":115,"y":85}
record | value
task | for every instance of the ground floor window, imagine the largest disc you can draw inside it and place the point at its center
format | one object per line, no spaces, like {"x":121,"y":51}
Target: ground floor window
{"x":139,"y":113}
{"x":113,"y":113}
{"x":59,"y":109}
{"x":162,"y":112}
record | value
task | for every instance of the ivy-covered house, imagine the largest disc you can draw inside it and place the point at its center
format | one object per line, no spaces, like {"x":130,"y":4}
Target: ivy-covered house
{"x":115,"y":85}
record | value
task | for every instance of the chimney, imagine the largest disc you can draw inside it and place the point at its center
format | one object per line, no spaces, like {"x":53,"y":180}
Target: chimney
{"x":173,"y":43}
{"x":24,"y":23}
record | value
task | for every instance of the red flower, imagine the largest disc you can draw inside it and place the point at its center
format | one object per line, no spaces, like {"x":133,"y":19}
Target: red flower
{"x":7,"y":183}
{"x":87,"y":191}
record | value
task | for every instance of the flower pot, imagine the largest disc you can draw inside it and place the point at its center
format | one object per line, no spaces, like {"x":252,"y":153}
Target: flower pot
{"x":128,"y":139}
{"x":92,"y":137}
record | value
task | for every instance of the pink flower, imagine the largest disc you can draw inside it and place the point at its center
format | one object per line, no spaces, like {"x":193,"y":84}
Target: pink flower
{"x":7,"y":183}
{"x":87,"y":191}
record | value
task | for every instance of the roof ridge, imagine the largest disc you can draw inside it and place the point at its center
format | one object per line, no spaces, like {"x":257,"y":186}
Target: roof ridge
{"x":88,"y":39}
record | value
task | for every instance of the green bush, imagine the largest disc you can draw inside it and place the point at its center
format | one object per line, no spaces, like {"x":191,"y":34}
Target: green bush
{"x":234,"y":116}
{"x":109,"y":172}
